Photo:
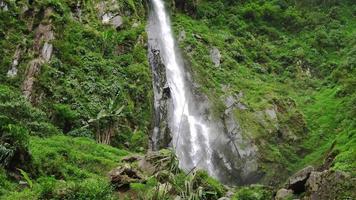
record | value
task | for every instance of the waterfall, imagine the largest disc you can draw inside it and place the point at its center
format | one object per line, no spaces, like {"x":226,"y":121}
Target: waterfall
{"x":198,"y":140}
{"x":197,"y":152}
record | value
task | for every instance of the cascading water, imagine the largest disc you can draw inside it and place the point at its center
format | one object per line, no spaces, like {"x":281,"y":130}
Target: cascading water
{"x":199,"y":141}
{"x":183,"y":108}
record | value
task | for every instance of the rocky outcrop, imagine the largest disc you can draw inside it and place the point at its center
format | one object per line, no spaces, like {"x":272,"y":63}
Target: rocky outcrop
{"x":15,"y":62}
{"x":246,"y":151}
{"x":108,"y":12}
{"x":115,"y":21}
{"x":298,"y":180}
{"x":308,"y":184}
{"x":122,"y":176}
{"x":44,"y":35}
{"x":161,"y":135}
{"x":32,"y":71}
{"x":330,"y":185}
{"x":215,"y":56}
{"x":3,"y":6}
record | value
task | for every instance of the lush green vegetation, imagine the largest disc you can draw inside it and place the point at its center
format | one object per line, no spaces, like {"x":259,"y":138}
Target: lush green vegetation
{"x":294,"y":57}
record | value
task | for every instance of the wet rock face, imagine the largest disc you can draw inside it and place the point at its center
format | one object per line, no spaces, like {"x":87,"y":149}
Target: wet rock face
{"x":161,"y":135}
{"x":246,"y":151}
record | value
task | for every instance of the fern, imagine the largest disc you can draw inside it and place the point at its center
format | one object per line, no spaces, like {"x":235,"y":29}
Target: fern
{"x":26,"y":177}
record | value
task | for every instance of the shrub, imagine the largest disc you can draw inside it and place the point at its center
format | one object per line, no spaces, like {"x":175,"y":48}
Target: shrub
{"x":253,"y":193}
{"x":14,"y":141}
{"x":64,"y":116}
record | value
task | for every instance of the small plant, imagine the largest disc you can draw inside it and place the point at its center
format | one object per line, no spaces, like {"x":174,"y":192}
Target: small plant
{"x":26,"y":177}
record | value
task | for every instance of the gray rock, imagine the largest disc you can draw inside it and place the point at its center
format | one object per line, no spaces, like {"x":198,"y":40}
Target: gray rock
{"x":178,"y":198}
{"x":182,"y":36}
{"x":105,"y":19}
{"x":113,"y":19}
{"x":3,"y":6}
{"x":314,"y":180}
{"x":215,"y":56}
{"x":284,"y":194}
{"x":297,"y":182}
{"x":47,"y":51}
{"x":241,"y":106}
{"x":271,"y":113}
{"x":117,"y":21}
{"x":330,"y":184}
{"x":230,"y":101}
{"x":123,"y":176}
{"x":229,"y":194}
{"x":13,"y":70}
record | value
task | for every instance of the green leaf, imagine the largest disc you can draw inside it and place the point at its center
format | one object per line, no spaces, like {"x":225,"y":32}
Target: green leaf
{"x":26,"y":177}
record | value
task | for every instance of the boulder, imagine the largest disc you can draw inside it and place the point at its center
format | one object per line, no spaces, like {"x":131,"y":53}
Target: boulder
{"x":330,"y":185}
{"x":122,"y":176}
{"x":298,"y":180}
{"x":284,"y":194}
{"x":116,"y":21}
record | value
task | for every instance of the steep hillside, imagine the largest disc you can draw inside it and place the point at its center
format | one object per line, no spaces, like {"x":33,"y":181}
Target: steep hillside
{"x":289,"y":69}
{"x":76,"y":97}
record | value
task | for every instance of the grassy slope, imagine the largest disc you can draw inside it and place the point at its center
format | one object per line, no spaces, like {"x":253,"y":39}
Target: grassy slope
{"x":76,"y":166}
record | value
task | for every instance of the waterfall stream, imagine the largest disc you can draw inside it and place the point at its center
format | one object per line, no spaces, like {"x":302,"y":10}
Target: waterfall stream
{"x":196,"y":151}
{"x":198,"y":140}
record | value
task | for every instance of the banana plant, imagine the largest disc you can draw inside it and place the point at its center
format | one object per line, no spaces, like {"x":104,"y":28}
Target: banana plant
{"x":106,"y":121}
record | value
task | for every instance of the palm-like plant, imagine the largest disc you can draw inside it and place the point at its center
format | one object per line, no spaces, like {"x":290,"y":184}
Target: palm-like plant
{"x":106,"y":121}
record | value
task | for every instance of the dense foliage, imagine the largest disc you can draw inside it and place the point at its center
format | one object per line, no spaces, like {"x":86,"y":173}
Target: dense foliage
{"x":297,"y":58}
